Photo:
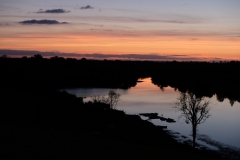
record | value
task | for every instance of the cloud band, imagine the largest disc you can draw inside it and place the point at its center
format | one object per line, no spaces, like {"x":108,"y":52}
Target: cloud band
{"x":152,"y":57}
{"x":44,"y":21}
{"x":53,"y":11}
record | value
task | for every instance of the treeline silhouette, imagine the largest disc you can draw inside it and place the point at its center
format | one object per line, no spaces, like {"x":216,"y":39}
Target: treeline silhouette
{"x":40,"y":122}
{"x":200,"y":78}
{"x":58,"y":72}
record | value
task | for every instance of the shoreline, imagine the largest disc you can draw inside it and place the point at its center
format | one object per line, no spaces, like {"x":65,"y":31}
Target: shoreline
{"x":203,"y":143}
{"x":39,"y":124}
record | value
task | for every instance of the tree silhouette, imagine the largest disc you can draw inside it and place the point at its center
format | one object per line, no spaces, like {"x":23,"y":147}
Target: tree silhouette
{"x":194,"y":109}
{"x":113,"y":98}
{"x":99,"y":99}
{"x":38,"y":56}
{"x":4,"y":56}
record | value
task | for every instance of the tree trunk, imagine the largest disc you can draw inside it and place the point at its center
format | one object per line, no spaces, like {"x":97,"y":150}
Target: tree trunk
{"x":194,"y":130}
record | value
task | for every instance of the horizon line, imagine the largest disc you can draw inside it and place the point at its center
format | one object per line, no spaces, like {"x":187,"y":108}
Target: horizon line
{"x":109,"y":56}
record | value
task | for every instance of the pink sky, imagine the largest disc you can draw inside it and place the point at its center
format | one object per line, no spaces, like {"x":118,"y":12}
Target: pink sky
{"x":202,"y":30}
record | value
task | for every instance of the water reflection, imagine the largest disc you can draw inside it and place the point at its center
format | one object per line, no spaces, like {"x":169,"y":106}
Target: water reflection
{"x":223,"y":125}
{"x":194,"y":109}
{"x":88,"y":92}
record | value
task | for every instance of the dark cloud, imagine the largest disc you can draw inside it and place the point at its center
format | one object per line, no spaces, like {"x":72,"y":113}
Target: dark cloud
{"x":87,"y":7}
{"x":43,"y":21}
{"x":53,"y":11}
{"x":151,"y":57}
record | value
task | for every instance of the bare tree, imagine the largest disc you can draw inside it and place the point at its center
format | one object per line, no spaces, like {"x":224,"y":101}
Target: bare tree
{"x":112,"y":99}
{"x":194,"y":109}
{"x":99,"y":99}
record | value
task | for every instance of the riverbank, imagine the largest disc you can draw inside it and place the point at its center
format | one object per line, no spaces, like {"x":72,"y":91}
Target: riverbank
{"x":40,"y":124}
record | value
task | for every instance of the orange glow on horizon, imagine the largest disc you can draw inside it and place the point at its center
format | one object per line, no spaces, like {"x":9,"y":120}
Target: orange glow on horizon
{"x":200,"y":48}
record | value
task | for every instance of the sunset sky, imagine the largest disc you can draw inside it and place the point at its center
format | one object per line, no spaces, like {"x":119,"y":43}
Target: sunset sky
{"x":130,"y":29}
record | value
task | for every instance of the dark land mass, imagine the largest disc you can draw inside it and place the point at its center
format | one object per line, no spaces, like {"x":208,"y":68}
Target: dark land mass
{"x":47,"y":124}
{"x":40,"y":122}
{"x":200,"y":78}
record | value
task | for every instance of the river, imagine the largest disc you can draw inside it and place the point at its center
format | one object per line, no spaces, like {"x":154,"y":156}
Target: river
{"x":221,"y":128}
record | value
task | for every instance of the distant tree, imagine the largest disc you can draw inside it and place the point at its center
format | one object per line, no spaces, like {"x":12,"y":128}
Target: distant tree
{"x":71,"y":59}
{"x":4,"y":56}
{"x":219,"y":98}
{"x":194,"y":109}
{"x":56,"y":58}
{"x":38,"y":56}
{"x":231,"y":100}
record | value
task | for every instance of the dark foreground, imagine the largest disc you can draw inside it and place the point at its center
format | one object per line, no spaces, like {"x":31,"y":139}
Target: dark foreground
{"x":48,"y":124}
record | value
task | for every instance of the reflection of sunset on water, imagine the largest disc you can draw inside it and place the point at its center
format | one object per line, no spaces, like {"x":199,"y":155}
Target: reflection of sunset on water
{"x":146,"y":97}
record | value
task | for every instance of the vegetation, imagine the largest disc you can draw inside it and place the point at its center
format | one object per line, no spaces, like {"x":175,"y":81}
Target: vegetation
{"x":200,"y":78}
{"x":40,"y":122}
{"x":194,"y":109}
{"x":111,"y":100}
{"x":43,"y":124}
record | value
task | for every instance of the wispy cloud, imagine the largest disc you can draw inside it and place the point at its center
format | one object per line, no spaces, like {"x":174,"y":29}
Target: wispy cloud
{"x":151,"y":57}
{"x":44,"y":21}
{"x":104,"y":32}
{"x":139,"y":19}
{"x":53,"y":11}
{"x":4,"y":24}
{"x":87,"y":7}
{"x":129,"y":10}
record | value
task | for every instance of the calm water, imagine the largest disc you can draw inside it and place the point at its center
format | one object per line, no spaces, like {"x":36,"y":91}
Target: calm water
{"x":223,"y":126}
